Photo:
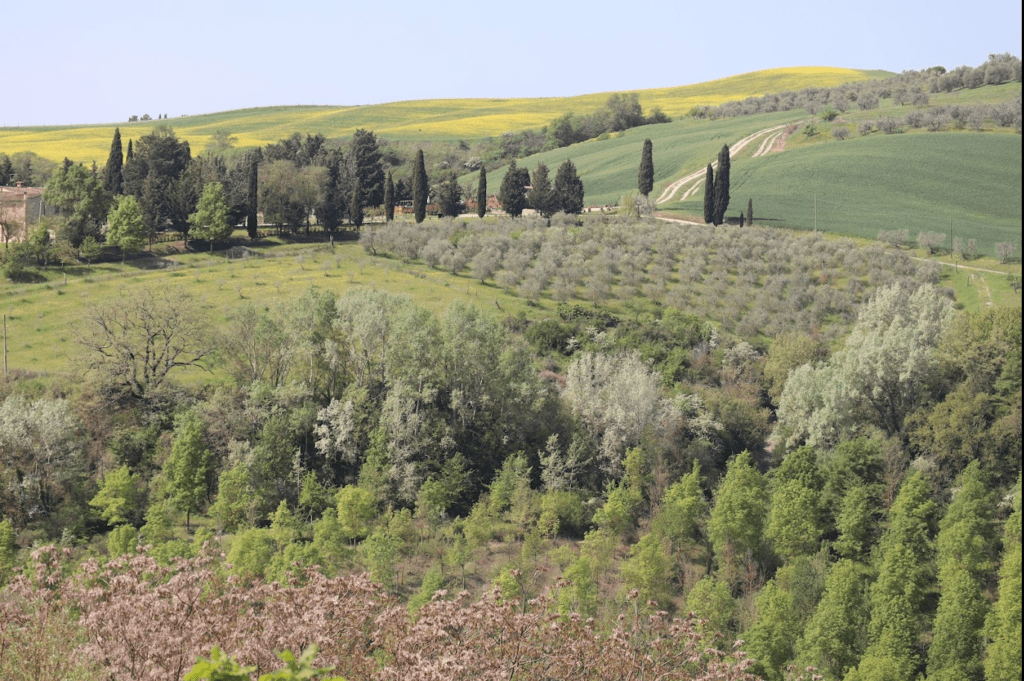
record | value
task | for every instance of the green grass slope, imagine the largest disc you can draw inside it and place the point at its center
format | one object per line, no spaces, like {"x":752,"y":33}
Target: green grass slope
{"x":917,"y":182}
{"x":440,"y":119}
{"x":609,"y":167}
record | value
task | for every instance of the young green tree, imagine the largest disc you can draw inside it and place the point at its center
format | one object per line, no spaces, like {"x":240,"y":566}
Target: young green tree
{"x":210,"y":221}
{"x":126,"y":228}
{"x":512,"y":194}
{"x":7,"y":550}
{"x":904,"y":578}
{"x":115,"y":161}
{"x":569,"y":189}
{"x":964,"y":556}
{"x":420,"y":188}
{"x":119,"y":498}
{"x":389,"y":198}
{"x":188,"y":466}
{"x":736,"y":525}
{"x":481,"y":193}
{"x":1003,"y":659}
{"x":722,"y":185}
{"x":355,"y":204}
{"x":645,"y":179}
{"x":709,"y":195}
{"x":795,"y":519}
{"x":771,"y":639}
{"x":836,"y":634}
{"x":81,"y":198}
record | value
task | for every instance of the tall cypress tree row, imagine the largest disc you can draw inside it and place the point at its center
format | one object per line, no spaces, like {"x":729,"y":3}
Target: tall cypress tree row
{"x":112,"y":173}
{"x":389,"y":198}
{"x":904,"y":578}
{"x":964,"y":557}
{"x":709,"y":195}
{"x":481,"y":193}
{"x":252,"y":196}
{"x":420,"y":188}
{"x":722,"y":185}
{"x":645,"y":180}
{"x":1003,"y":661}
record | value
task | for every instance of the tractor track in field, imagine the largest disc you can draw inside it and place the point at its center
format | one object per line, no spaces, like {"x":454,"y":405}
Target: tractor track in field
{"x":694,"y":178}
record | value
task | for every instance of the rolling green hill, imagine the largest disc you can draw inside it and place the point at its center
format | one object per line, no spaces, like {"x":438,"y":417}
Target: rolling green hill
{"x":916,"y":182}
{"x":440,"y":119}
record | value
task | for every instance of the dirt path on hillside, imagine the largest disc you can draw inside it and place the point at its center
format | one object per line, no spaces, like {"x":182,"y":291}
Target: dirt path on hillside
{"x":697,"y":175}
{"x":961,"y":266}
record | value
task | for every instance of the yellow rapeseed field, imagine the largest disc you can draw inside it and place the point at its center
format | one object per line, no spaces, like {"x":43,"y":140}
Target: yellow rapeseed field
{"x":440,"y":119}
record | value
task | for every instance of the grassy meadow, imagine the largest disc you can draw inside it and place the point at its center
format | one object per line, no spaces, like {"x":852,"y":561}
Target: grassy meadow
{"x":438,"y":119}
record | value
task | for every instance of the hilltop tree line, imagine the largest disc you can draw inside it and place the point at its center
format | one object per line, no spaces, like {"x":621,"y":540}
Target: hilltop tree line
{"x":909,"y":87}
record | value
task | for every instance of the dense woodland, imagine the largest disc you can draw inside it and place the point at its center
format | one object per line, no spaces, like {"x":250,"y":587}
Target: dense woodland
{"x":731,"y":452}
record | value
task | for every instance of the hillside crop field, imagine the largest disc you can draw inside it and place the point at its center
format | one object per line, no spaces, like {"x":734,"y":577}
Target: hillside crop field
{"x":441,"y":119}
{"x":918,"y":182}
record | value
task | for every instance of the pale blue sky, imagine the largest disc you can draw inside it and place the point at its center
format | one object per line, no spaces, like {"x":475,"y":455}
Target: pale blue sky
{"x":91,"y":62}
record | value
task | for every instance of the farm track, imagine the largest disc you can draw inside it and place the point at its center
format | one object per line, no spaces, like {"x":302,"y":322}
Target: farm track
{"x":695,"y":176}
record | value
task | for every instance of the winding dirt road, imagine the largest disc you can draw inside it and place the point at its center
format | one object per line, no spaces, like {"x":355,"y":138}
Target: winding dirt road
{"x":697,"y":176}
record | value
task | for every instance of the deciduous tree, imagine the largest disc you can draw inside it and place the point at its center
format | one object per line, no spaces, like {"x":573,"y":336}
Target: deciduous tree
{"x":210,"y":221}
{"x":126,"y":228}
{"x":188,"y":466}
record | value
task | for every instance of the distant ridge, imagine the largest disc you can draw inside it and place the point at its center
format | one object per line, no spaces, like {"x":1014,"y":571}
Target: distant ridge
{"x":425,"y":119}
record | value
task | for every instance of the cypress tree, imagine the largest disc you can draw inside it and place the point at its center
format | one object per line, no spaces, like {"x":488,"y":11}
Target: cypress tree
{"x":750,"y":212}
{"x":252,"y":195}
{"x":709,"y":195}
{"x":645,"y":181}
{"x":355,"y":205}
{"x":130,"y":155}
{"x":389,"y":198}
{"x":569,"y":188}
{"x":112,"y":174}
{"x":542,"y":196}
{"x":512,"y":194}
{"x":481,"y":193}
{"x":420,"y":188}
{"x":722,"y":185}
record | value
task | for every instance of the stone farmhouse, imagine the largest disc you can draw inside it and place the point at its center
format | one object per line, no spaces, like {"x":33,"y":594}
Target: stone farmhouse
{"x":20,"y":208}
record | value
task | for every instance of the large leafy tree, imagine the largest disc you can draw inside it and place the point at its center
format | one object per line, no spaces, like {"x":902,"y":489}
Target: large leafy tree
{"x":210,"y":221}
{"x":722,"y":185}
{"x":126,"y":228}
{"x":645,"y":179}
{"x":512,"y":194}
{"x":881,"y":375}
{"x":836,"y":634}
{"x":709,"y":195}
{"x":367,"y":165}
{"x":158,"y":163}
{"x":569,"y":188}
{"x":80,"y":196}
{"x":420,"y":188}
{"x":115,"y":161}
